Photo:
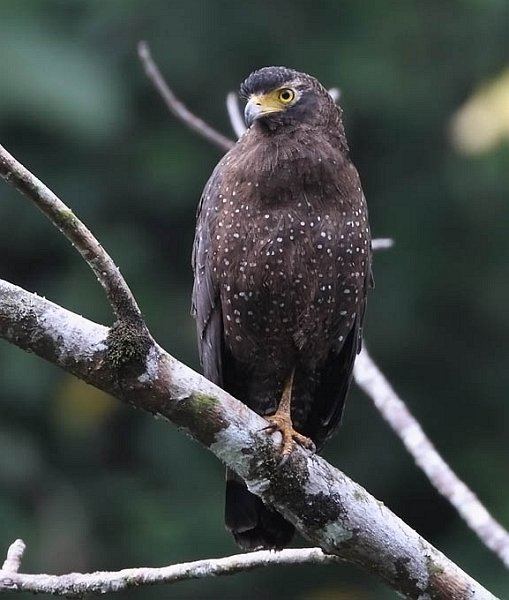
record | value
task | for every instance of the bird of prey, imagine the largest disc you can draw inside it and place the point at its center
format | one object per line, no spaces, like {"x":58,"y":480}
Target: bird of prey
{"x":282,"y":266}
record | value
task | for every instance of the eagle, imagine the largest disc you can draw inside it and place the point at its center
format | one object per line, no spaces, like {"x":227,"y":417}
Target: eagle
{"x":282,"y":267}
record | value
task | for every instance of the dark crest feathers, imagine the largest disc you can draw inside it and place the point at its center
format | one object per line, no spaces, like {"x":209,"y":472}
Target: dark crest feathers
{"x":268,"y":78}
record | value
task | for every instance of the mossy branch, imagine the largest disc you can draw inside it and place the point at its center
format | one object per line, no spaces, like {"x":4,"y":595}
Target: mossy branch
{"x":369,"y":377}
{"x":327,"y":507}
{"x":323,"y":503}
{"x":117,"y":291}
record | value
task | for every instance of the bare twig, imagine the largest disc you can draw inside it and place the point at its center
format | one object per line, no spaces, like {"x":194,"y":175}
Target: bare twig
{"x":15,"y":553}
{"x":103,"y":582}
{"x":176,"y":106}
{"x":335,"y":93}
{"x":117,"y":291}
{"x":328,"y":508}
{"x":236,"y":118}
{"x":370,"y":379}
{"x":382,"y":243}
{"x":489,"y":531}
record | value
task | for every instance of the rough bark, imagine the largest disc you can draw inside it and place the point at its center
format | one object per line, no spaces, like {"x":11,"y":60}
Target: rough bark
{"x":118,"y":293}
{"x":106,"y":582}
{"x":368,"y":376}
{"x":328,"y":508}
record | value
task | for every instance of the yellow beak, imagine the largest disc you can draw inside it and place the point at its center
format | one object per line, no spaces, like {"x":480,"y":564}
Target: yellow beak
{"x":260,"y":105}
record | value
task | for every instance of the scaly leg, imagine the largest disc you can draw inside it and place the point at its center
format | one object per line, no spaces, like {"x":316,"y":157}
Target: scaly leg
{"x":282,"y":421}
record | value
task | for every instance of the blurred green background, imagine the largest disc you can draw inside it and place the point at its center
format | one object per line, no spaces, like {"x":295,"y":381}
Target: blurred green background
{"x":91,"y":484}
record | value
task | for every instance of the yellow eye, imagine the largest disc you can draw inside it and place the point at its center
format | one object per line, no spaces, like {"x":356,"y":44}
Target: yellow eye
{"x":286,"y":95}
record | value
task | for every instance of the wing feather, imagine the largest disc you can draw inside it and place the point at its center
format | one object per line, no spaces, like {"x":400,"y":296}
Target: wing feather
{"x":335,"y":376}
{"x":206,"y":305}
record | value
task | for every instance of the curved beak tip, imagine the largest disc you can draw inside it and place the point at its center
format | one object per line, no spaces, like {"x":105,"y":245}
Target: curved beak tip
{"x":251,"y":113}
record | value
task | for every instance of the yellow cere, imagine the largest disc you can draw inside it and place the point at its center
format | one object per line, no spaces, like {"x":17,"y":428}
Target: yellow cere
{"x":275,"y":100}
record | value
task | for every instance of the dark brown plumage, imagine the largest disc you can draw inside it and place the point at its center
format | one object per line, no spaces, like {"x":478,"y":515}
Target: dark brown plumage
{"x":282,"y":263}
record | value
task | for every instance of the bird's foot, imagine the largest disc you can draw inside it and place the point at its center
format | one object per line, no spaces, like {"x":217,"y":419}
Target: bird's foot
{"x":282,"y":422}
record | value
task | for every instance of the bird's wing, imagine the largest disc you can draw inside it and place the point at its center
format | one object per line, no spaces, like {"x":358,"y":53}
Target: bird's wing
{"x":335,"y":376}
{"x":333,"y":382}
{"x":206,"y":306}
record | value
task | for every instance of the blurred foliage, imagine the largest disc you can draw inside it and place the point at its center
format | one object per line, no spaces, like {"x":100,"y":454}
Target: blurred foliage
{"x":89,"y":483}
{"x":482,"y":123}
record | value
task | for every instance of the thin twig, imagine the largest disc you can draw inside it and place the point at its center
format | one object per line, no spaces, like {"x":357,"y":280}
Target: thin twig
{"x":329,"y":509}
{"x":176,"y":106}
{"x":15,"y":553}
{"x":370,"y":379}
{"x":236,"y":118}
{"x":335,"y":94}
{"x":117,"y":291}
{"x":103,"y":582}
{"x":382,"y":243}
{"x":230,"y":430}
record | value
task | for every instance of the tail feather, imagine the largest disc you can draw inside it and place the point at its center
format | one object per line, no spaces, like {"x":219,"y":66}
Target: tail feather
{"x":253,"y":525}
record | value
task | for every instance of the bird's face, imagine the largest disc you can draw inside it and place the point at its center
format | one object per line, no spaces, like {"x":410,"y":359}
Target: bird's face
{"x":260,"y":106}
{"x":277,"y":96}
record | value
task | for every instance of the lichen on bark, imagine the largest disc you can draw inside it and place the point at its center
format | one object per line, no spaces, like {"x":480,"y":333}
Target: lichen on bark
{"x":198,"y":413}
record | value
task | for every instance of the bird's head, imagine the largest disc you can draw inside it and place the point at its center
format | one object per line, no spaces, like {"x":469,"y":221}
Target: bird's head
{"x":277,"y":96}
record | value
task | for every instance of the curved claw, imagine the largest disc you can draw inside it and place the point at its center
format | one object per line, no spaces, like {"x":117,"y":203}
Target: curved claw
{"x":290,"y":437}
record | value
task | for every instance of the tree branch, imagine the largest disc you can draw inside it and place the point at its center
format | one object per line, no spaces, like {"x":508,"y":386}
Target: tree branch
{"x":335,"y":93}
{"x":15,"y":553}
{"x":235,"y":114}
{"x":382,"y":243}
{"x":394,"y":411}
{"x":370,"y":379}
{"x":117,"y":291}
{"x":324,"y":504}
{"x":328,"y":508}
{"x":103,"y":582}
{"x":175,"y":106}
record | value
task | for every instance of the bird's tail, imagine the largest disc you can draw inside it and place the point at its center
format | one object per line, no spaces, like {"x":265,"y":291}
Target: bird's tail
{"x":253,"y":525}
